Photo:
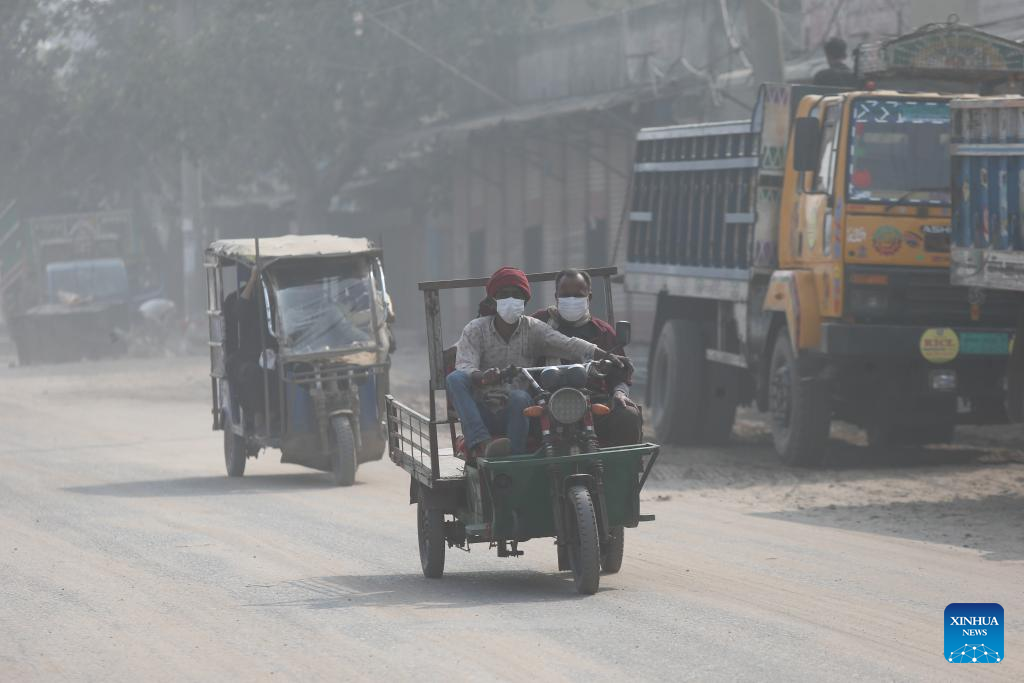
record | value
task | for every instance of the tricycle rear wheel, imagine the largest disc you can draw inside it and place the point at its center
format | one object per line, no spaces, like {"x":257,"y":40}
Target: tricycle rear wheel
{"x":611,"y":552}
{"x":234,"y":452}
{"x":584,"y":541}
{"x":430,"y":527}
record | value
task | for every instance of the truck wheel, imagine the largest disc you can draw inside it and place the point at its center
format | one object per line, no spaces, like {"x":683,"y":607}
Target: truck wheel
{"x":722,"y":397}
{"x":676,"y":376}
{"x":800,"y":412}
{"x":343,"y":452}
{"x":430,"y":530}
{"x":611,"y":552}
{"x":584,"y":541}
{"x":234,"y":452}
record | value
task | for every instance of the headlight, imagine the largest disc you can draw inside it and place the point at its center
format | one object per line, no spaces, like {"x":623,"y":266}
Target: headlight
{"x":567,"y":406}
{"x":869,"y":300}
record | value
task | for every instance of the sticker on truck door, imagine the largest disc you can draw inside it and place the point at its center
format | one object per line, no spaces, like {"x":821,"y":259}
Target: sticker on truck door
{"x":939,"y":345}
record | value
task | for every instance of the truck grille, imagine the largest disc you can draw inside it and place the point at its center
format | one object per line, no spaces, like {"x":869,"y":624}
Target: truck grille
{"x":927,"y":298}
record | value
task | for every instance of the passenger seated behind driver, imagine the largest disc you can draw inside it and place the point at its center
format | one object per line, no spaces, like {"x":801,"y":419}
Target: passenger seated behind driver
{"x":486,"y":407}
{"x":571,"y":316}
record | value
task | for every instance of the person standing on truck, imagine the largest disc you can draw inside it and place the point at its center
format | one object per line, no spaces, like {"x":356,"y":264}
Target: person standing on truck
{"x":837,"y":74}
{"x":571,"y":316}
{"x":487,"y":407}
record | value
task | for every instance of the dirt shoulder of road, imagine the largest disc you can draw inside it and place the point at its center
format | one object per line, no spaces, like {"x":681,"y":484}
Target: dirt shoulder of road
{"x":969,"y":494}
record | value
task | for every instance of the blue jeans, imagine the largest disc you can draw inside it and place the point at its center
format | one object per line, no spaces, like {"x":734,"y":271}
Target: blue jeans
{"x":480,"y":423}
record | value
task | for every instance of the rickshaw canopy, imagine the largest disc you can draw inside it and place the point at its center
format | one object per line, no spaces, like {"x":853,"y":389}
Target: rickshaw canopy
{"x":293,"y":246}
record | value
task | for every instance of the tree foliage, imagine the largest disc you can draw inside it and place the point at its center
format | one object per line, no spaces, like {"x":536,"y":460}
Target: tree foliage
{"x":261,"y":92}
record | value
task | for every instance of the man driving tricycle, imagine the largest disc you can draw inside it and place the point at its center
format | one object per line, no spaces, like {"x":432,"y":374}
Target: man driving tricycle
{"x":487,"y":406}
{"x":568,"y":487}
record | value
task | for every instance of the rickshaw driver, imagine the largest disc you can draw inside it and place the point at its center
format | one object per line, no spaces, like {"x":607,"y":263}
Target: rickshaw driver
{"x":571,"y":316}
{"x":242,"y":346}
{"x":485,"y":407}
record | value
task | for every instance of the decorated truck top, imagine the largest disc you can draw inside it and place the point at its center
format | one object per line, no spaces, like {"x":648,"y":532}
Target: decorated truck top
{"x":988,"y":192}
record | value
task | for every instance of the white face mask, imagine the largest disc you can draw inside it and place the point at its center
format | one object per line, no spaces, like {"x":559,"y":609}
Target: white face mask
{"x":511,"y":309}
{"x":573,"y":308}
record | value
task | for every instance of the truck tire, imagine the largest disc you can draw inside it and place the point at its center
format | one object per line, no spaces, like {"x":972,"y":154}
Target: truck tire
{"x":800,"y":410}
{"x":676,"y":375}
{"x":234,"y":451}
{"x":611,"y":552}
{"x":343,"y":452}
{"x":430,"y":532}
{"x":722,"y":397}
{"x":584,"y":540}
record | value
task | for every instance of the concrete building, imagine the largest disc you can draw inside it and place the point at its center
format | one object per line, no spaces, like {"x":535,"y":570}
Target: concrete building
{"x":539,"y":179}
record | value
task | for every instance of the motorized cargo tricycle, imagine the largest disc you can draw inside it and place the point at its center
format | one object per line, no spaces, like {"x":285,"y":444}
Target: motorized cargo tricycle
{"x":568,"y":487}
{"x":300,"y":346}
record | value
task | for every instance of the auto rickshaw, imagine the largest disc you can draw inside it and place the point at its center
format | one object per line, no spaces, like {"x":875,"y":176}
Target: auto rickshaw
{"x":300,"y":346}
{"x":569,"y":487}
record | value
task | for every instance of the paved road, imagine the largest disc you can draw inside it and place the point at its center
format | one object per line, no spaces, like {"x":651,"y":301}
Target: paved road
{"x":126,"y":554}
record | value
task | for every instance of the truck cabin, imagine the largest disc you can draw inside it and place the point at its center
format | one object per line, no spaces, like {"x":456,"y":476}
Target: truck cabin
{"x":870,"y":184}
{"x":87,"y":281}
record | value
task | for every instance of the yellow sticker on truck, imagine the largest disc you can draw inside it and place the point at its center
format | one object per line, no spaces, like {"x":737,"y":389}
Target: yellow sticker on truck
{"x":939,"y":345}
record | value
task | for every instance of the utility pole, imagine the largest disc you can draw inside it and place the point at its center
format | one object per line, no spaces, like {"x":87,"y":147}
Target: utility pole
{"x":191,"y":191}
{"x":765,"y":31}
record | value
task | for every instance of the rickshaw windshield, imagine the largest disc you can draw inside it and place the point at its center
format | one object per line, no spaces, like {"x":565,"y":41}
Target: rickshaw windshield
{"x":324,"y":306}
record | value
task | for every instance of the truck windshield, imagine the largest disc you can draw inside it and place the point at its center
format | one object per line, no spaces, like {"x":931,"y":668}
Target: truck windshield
{"x":92,"y":280}
{"x":899,"y":152}
{"x":324,"y":306}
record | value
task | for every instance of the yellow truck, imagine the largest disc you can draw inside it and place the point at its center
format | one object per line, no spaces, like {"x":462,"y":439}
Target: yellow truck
{"x":800,"y":259}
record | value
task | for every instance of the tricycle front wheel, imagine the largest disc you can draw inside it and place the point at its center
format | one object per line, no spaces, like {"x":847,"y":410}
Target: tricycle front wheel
{"x":343,"y":455}
{"x":584,"y":541}
{"x":430,"y":527}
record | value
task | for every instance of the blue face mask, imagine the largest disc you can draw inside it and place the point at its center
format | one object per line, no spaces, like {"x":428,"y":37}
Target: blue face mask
{"x":511,"y":309}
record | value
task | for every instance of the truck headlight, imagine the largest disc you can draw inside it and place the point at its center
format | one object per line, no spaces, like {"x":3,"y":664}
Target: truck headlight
{"x":868,"y":300}
{"x":942,"y":380}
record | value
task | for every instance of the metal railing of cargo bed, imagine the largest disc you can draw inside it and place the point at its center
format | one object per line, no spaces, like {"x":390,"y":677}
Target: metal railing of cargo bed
{"x":410,"y":435}
{"x":693,"y":196}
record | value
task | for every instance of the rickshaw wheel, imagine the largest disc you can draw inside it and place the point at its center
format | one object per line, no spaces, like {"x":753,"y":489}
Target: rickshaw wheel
{"x":584,"y":541}
{"x":611,"y":552}
{"x":234,"y":452}
{"x":430,"y":530}
{"x":343,"y":455}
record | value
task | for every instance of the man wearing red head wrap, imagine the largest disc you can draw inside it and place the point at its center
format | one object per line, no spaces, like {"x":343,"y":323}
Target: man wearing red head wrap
{"x":486,"y":407}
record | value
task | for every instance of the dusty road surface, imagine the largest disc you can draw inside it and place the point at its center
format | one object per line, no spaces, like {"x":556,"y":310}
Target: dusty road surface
{"x":127,"y":554}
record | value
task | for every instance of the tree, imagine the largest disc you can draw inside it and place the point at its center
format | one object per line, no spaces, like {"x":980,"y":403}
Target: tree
{"x":106,"y":93}
{"x":30,"y":107}
{"x":301,"y":91}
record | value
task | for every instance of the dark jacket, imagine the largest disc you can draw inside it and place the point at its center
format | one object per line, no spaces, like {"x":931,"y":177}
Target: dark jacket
{"x":595,"y":331}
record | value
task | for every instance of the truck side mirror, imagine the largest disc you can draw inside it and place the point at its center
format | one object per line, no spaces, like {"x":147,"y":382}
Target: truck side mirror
{"x":623,"y":332}
{"x":806,"y":144}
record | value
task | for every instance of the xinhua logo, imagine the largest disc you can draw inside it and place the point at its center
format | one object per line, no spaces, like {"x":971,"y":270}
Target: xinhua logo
{"x":974,"y":633}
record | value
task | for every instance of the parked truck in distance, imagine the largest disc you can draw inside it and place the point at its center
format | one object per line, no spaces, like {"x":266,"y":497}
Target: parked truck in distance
{"x":71,"y":284}
{"x":800,"y":259}
{"x":988,"y":200}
